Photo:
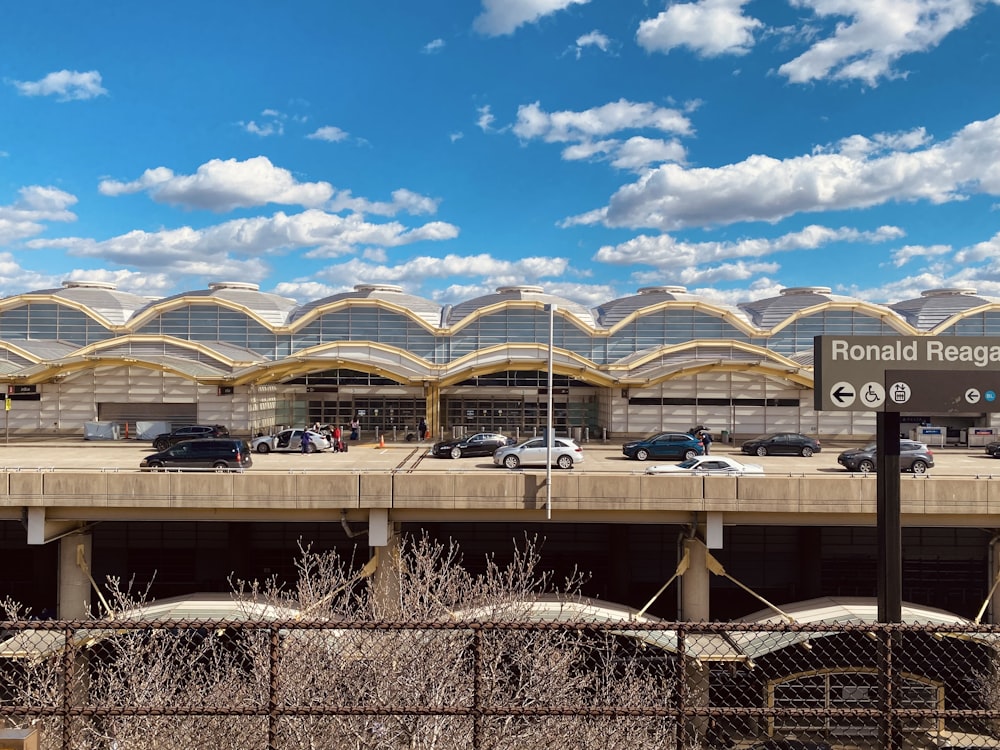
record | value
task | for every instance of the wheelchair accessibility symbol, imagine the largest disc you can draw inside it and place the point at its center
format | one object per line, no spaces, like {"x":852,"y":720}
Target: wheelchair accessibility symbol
{"x":872,"y":395}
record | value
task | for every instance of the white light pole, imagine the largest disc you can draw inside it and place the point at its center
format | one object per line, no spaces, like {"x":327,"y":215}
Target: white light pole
{"x":550,"y":432}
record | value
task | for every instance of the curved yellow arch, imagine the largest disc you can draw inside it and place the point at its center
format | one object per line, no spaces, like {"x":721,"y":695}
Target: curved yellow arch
{"x":11,"y":303}
{"x":322,"y":310}
{"x":705,"y":307}
{"x":892,"y":319}
{"x":955,"y":319}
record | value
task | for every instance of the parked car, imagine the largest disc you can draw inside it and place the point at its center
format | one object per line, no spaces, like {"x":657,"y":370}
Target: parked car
{"x":993,"y":449}
{"x":913,"y":456}
{"x":664,"y":445}
{"x":191,"y":432}
{"x":480,"y":444}
{"x":781,"y":444}
{"x":290,"y":441}
{"x":707,"y":465}
{"x":221,"y":454}
{"x":532,"y":452}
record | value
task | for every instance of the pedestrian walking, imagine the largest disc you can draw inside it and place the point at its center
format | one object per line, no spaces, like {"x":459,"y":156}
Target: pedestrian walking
{"x":306,"y":442}
{"x":422,"y":429}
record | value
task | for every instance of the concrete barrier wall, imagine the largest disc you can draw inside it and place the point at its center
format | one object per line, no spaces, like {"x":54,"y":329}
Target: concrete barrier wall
{"x":454,"y":492}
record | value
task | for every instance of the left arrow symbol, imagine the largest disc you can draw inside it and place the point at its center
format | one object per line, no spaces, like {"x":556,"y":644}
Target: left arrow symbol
{"x":842,"y":394}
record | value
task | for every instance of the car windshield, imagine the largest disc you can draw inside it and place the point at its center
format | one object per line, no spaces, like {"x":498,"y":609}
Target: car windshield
{"x":689,"y":464}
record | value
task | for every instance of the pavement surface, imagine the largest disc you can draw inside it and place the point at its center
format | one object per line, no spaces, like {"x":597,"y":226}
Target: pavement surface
{"x":32,"y":453}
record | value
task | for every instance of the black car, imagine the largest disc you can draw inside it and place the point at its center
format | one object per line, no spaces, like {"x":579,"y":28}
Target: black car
{"x":913,"y":456}
{"x":221,"y":454}
{"x":480,"y":444}
{"x":677,"y":445}
{"x":993,"y":449}
{"x":191,"y":432}
{"x":781,"y":444}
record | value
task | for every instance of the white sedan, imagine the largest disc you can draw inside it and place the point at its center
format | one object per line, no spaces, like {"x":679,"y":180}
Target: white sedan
{"x":708,"y":465}
{"x":290,"y":441}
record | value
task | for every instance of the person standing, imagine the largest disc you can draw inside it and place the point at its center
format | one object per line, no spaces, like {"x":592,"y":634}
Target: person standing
{"x":422,"y":429}
{"x":706,"y":441}
{"x":305,"y":442}
{"x":355,"y":429}
{"x":337,"y":434}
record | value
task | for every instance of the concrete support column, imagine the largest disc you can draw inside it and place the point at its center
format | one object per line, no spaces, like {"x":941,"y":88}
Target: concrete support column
{"x":695,"y":608}
{"x":432,"y":409}
{"x":695,"y":583}
{"x":74,"y":581}
{"x":387,"y":575}
{"x":993,"y":613}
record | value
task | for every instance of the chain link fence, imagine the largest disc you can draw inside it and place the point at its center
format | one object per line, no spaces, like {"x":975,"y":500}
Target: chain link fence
{"x":443,"y":685}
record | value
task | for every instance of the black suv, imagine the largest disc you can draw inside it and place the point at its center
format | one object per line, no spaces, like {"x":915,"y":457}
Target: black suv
{"x":191,"y":432}
{"x":221,"y":454}
{"x":913,"y":456}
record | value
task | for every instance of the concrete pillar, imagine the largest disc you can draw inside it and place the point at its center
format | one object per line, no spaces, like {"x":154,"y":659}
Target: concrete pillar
{"x":387,"y":574}
{"x":74,"y":581}
{"x":695,"y":584}
{"x":993,"y":613}
{"x":695,"y":608}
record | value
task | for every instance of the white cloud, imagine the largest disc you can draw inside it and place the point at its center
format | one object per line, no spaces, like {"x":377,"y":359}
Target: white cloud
{"x":556,"y":127}
{"x":708,"y":27}
{"x":592,"y":39}
{"x":664,"y":251}
{"x":65,"y":85}
{"x":638,"y":152}
{"x":505,"y":16}
{"x":227,"y":245}
{"x":329,"y":133}
{"x":870,"y":37}
{"x":586,"y":131}
{"x":456,"y":136}
{"x":402,"y":200}
{"x":724,"y":272}
{"x":905,"y":254}
{"x":222,"y":185}
{"x":493,"y":271}
{"x":26,"y":216}
{"x":762,"y":188}
{"x":433,"y":46}
{"x":988,"y":250}
{"x":486,"y":119}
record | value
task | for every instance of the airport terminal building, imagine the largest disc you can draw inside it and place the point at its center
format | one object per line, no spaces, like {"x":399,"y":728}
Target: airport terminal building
{"x":657,"y":359}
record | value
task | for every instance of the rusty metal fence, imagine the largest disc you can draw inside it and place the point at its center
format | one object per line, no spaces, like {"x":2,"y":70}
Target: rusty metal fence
{"x":317,"y":684}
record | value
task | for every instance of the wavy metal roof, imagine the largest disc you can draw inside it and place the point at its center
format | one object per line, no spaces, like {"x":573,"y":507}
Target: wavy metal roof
{"x":100,"y":297}
{"x":273,"y":308}
{"x":611,"y":313}
{"x":934,"y":306}
{"x":767,"y":313}
{"x":425,"y":309}
{"x":529,"y":293}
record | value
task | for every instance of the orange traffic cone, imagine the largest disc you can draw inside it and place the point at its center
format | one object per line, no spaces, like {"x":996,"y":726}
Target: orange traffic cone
{"x":381,"y":441}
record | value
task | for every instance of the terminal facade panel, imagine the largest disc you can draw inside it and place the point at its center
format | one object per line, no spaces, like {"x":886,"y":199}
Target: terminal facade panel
{"x":657,"y":359}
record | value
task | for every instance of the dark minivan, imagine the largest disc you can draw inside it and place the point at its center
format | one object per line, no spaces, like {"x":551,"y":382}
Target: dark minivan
{"x":220,"y":454}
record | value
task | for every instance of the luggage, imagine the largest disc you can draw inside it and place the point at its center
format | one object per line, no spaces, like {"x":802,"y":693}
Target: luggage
{"x":342,"y":447}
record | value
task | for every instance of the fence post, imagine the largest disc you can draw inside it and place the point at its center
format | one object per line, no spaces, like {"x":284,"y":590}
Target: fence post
{"x":272,"y":688}
{"x":477,"y":668}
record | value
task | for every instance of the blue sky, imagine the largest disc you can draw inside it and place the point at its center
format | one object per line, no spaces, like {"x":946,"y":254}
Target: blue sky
{"x":592,"y":147}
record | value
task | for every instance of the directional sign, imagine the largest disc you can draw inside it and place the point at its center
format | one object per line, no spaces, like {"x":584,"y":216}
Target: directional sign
{"x":852,"y":373}
{"x":944,"y":392}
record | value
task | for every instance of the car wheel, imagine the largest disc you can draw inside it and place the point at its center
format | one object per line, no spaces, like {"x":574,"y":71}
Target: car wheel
{"x":565,"y":462}
{"x":220,"y":466}
{"x":161,"y":445}
{"x":456,"y":452}
{"x":866,"y":466}
{"x":512,"y":462}
{"x":919,"y":467}
{"x":264,"y":449}
{"x":689,"y":454}
{"x":156,"y":465}
{"x":642,"y":454}
{"x":807,"y":452}
{"x":761,"y":450}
